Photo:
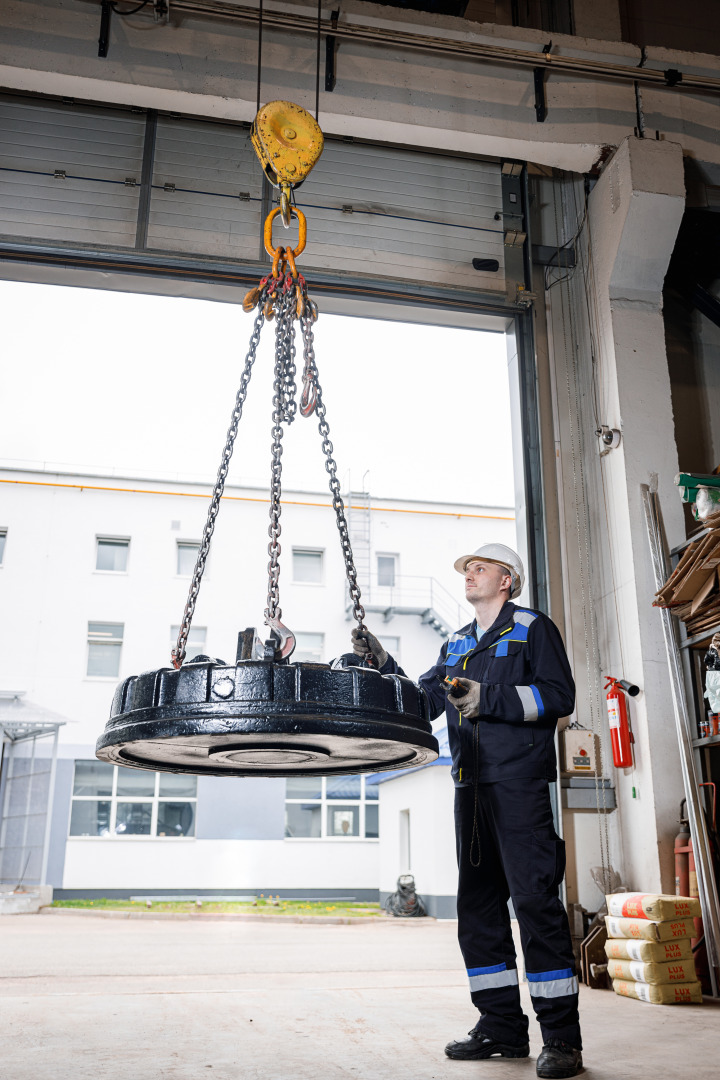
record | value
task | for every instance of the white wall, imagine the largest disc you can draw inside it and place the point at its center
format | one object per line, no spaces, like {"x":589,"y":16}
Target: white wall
{"x":429,"y":795}
{"x":220,"y":864}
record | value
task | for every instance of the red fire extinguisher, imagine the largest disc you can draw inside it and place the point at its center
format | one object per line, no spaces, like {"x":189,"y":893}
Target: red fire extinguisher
{"x":620,"y":734}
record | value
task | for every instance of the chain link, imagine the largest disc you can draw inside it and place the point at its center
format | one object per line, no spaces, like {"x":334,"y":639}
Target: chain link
{"x":284,"y":411}
{"x":310,"y":374}
{"x":178,"y":653}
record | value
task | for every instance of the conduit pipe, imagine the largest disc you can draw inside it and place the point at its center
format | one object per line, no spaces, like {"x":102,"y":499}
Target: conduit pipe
{"x":501,"y":54}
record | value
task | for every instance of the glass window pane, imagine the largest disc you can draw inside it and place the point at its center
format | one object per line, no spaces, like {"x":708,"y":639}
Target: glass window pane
{"x":103,"y":659}
{"x":386,"y":569}
{"x":371,"y":790}
{"x":371,"y":821}
{"x":112,"y":555}
{"x":343,"y":820}
{"x":178,"y":784}
{"x":308,"y":566}
{"x":302,"y":819}
{"x":176,"y":819}
{"x":195,"y":642}
{"x":133,"y":818}
{"x":303,"y":787}
{"x":93,"y":778}
{"x":344,"y":787}
{"x":3,"y":538}
{"x":135,"y":782}
{"x":186,"y":558}
{"x":105,"y":631}
{"x":90,"y":818}
{"x":309,"y":647}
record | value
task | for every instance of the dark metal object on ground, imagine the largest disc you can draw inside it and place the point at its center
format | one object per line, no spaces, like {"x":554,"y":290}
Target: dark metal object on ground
{"x":593,"y":961}
{"x":405,"y":903}
{"x":266,"y":718}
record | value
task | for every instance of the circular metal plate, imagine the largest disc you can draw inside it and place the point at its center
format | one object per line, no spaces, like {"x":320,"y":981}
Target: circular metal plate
{"x":264,"y":719}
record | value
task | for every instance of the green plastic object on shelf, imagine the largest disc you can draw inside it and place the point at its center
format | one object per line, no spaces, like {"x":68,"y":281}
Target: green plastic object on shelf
{"x":690,"y":482}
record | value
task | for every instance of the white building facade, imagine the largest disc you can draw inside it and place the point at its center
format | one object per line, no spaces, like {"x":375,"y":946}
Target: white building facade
{"x":93,"y":581}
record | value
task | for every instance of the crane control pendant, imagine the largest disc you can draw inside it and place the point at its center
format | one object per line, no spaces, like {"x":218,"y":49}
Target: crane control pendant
{"x":263,"y":715}
{"x":288,"y":142}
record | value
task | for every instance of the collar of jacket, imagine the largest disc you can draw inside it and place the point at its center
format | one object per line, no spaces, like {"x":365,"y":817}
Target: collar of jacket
{"x":458,"y":646}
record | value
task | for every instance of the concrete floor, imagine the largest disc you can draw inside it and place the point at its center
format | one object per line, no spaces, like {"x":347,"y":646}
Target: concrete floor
{"x":84,"y":997}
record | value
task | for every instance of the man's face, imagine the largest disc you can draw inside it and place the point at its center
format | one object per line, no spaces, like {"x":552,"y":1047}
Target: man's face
{"x":486,"y":580}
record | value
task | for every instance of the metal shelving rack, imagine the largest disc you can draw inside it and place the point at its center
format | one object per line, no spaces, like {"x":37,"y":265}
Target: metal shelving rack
{"x":685,"y":678}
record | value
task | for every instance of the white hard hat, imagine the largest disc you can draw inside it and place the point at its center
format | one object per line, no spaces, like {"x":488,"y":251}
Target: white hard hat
{"x":498,"y":553}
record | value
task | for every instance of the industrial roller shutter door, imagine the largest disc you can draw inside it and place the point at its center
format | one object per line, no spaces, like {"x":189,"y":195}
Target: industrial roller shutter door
{"x":72,"y":174}
{"x":69,"y":173}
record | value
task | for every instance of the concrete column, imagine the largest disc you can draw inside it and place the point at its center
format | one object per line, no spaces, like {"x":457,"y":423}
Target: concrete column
{"x":633,"y":217}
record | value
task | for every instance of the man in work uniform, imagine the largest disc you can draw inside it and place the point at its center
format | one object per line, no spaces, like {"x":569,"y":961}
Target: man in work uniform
{"x":514,"y":684}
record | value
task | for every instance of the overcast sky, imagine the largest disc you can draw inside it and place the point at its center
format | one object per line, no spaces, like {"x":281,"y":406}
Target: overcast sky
{"x":132,"y":382}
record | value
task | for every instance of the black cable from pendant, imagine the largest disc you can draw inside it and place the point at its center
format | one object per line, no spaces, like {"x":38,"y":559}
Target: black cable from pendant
{"x":259,"y":64}
{"x":317,"y":63}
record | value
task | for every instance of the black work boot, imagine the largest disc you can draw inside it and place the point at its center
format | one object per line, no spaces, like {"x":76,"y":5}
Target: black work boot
{"x":478,"y":1046}
{"x":558,"y":1060}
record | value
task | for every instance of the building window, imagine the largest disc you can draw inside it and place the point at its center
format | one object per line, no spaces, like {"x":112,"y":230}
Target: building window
{"x":110,"y":801}
{"x":104,"y":645}
{"x":386,"y":567}
{"x":187,"y":553}
{"x":195,"y":642}
{"x":307,"y":566}
{"x":331,"y":808}
{"x":309,"y":647}
{"x":391,"y":645}
{"x":3,"y":538}
{"x":112,"y":555}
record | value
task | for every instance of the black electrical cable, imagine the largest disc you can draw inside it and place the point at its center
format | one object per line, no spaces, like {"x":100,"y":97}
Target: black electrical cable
{"x":132,"y":11}
{"x":317,"y":63}
{"x":259,"y":64}
{"x":405,"y":903}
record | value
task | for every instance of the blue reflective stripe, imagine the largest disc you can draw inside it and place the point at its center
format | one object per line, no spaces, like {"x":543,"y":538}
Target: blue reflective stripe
{"x":546,"y":976}
{"x":538,"y":700}
{"x":487,"y":970}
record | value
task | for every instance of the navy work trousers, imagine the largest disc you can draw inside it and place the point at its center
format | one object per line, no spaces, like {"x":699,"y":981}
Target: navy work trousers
{"x":521,"y":857}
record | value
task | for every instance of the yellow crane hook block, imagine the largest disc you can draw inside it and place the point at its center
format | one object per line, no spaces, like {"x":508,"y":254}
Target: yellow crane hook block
{"x":288,"y":142}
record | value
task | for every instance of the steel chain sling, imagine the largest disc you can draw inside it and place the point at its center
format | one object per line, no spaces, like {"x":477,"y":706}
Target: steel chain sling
{"x":282,"y":296}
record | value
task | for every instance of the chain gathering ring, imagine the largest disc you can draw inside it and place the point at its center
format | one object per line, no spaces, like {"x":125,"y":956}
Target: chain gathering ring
{"x":302,"y":231}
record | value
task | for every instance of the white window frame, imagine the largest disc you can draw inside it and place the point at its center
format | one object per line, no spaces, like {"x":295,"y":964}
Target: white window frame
{"x":396,"y":565}
{"x":196,"y":629}
{"x":186,"y":543}
{"x":3,"y":532}
{"x":115,"y":641}
{"x":315,"y":633}
{"x":324,"y":803}
{"x":114,"y":799}
{"x":112,"y":540}
{"x":309,"y":551}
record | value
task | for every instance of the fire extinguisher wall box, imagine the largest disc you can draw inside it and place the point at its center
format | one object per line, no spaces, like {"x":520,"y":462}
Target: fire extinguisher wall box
{"x":579,"y":757}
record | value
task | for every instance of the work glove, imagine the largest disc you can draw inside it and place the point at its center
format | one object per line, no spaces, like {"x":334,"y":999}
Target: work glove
{"x":366,"y":646}
{"x":467,"y":703}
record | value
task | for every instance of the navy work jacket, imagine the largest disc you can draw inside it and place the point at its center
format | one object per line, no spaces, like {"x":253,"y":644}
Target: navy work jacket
{"x":526,"y":686}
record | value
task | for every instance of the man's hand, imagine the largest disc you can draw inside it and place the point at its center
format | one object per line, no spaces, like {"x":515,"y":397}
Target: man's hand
{"x":366,"y":646}
{"x":468,"y":703}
